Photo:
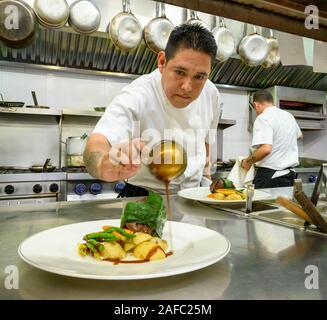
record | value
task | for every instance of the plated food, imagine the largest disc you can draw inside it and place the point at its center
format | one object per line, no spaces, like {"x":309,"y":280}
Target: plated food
{"x":224,"y":189}
{"x":138,"y":237}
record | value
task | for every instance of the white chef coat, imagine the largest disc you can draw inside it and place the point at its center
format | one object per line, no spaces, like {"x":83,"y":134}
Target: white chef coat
{"x":279,"y":128}
{"x":142,"y":109}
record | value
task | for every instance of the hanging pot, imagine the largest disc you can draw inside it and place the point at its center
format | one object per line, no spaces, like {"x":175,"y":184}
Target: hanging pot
{"x":196,"y":20}
{"x":273,"y":57}
{"x":51,"y":13}
{"x":84,"y":16}
{"x":18,"y":24}
{"x":125,"y":30}
{"x":157,"y":31}
{"x":224,"y":40}
{"x":253,"y":49}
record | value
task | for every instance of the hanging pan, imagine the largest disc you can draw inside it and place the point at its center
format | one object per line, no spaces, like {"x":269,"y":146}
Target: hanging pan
{"x":157,"y":31}
{"x":125,"y":30}
{"x":224,"y":40}
{"x":51,"y":13}
{"x":84,"y":16}
{"x":196,"y":20}
{"x":253,"y":49}
{"x":18,"y":24}
{"x":273,"y":57}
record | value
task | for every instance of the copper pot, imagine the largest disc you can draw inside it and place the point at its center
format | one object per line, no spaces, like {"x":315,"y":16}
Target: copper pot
{"x":169,"y":160}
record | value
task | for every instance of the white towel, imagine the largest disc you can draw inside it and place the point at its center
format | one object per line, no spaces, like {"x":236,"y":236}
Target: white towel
{"x":240,"y":177}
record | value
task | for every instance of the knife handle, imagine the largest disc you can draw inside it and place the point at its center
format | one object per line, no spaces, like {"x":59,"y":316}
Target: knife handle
{"x":294,"y":207}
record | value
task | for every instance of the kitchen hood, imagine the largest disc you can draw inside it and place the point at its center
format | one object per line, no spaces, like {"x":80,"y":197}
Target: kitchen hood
{"x":64,"y":48}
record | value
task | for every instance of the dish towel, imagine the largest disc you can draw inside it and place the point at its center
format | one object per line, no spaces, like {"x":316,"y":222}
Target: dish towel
{"x":240,"y":177}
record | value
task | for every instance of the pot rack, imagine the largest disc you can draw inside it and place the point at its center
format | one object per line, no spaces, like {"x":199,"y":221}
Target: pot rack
{"x":64,"y":50}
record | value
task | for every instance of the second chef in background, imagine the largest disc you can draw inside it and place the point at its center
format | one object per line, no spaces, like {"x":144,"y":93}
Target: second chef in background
{"x":275,"y":134}
{"x":176,"y":98}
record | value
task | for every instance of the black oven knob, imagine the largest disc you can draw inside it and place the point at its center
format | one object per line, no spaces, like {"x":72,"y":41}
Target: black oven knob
{"x":9,"y":189}
{"x":53,"y":187}
{"x":80,"y":189}
{"x":37,"y":188}
{"x":96,"y":188}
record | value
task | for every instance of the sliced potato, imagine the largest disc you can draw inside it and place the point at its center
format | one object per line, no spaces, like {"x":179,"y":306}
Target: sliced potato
{"x":158,"y":255}
{"x":219,"y":196}
{"x":141,"y":237}
{"x":160,"y":242}
{"x":129,"y":245}
{"x":143,"y":249}
{"x":233,"y":197}
{"x":112,"y":250}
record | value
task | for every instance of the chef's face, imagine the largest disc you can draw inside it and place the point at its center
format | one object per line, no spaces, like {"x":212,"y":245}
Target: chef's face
{"x":259,"y":107}
{"x":184,"y":75}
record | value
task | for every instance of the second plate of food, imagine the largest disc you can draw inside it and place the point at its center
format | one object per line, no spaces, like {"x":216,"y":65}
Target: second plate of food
{"x":202,"y":194}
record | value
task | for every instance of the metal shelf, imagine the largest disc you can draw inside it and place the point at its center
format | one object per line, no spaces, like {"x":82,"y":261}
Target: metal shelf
{"x":226,"y":123}
{"x":31,"y":111}
{"x":84,"y":113}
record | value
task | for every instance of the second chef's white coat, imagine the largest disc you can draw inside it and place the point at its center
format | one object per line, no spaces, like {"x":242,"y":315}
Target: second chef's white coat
{"x":279,"y":128}
{"x":143,"y":106}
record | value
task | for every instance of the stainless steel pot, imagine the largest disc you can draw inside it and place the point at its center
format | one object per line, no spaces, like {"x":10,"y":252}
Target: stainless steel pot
{"x":84,"y":16}
{"x":253,"y":49}
{"x":51,"y":13}
{"x":18,"y":24}
{"x":224,"y":40}
{"x":196,"y":20}
{"x":157,"y":31}
{"x":74,"y":150}
{"x":273,"y":57}
{"x":125,"y":30}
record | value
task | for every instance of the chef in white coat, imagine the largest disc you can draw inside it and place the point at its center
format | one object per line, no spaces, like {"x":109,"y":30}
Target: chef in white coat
{"x":176,"y":102}
{"x":275,"y":135}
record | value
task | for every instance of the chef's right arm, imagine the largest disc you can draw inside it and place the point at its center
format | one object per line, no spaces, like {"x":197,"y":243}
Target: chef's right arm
{"x":109,"y":163}
{"x":113,"y":150}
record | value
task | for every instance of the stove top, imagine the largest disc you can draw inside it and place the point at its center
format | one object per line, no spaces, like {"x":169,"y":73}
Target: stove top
{"x":13,"y":170}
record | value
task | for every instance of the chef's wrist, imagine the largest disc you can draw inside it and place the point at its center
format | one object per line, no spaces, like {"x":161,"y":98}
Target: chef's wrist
{"x":251,"y":159}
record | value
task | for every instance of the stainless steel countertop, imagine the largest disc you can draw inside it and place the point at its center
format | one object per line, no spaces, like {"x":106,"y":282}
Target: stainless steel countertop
{"x":266,"y":261}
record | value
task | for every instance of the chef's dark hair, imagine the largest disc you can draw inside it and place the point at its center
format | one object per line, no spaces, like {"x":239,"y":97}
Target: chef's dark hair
{"x":191,"y":36}
{"x":263,"y":96}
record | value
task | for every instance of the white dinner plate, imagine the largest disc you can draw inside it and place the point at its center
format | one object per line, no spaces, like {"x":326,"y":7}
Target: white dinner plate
{"x":55,"y":250}
{"x":201,"y":194}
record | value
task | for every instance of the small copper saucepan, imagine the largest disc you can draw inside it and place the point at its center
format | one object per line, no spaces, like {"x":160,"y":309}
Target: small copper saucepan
{"x":169,"y":160}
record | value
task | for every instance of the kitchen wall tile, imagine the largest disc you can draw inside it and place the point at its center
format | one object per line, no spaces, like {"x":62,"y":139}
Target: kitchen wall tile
{"x":13,"y":80}
{"x":112,"y":86}
{"x":238,"y":132}
{"x":234,"y":149}
{"x":75,"y":91}
{"x":235,"y":104}
{"x":35,"y":81}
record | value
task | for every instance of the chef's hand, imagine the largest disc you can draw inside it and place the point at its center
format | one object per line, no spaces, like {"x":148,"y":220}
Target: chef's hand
{"x":246,"y":165}
{"x":125,"y":158}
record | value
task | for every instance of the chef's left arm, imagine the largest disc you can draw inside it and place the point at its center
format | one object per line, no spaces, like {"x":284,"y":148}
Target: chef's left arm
{"x":259,"y":154}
